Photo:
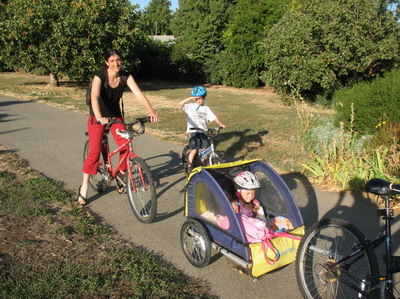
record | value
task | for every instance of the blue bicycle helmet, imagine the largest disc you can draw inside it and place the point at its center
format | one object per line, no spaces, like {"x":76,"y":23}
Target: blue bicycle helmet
{"x":199,"y":91}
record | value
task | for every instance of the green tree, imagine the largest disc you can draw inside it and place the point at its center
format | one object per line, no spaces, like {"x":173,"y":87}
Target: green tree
{"x":198,"y":26}
{"x":67,"y":37}
{"x":241,"y":61}
{"x":328,"y":44}
{"x":158,"y":17}
{"x":24,"y":27}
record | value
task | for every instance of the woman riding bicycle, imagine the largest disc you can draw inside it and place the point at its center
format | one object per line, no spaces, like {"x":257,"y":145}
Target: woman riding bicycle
{"x":198,"y":116}
{"x":107,"y":88}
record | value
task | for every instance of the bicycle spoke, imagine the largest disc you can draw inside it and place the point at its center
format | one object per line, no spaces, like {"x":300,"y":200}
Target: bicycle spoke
{"x":318,"y":269}
{"x":141,"y":190}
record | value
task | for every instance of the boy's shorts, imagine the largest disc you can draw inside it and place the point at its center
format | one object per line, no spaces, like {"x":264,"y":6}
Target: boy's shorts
{"x":198,"y":140}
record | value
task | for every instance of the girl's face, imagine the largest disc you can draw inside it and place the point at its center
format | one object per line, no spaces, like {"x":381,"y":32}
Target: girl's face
{"x":114,"y":63}
{"x":248,"y":195}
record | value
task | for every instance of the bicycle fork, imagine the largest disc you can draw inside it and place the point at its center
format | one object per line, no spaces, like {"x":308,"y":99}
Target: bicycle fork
{"x":136,"y":177}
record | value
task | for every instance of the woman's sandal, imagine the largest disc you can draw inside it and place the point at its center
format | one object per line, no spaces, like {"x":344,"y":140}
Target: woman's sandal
{"x":120,"y":185}
{"x":81,"y":200}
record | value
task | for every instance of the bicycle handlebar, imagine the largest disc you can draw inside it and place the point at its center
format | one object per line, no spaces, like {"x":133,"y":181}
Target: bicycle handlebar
{"x":113,"y":120}
{"x":129,"y":126}
{"x":210,"y":131}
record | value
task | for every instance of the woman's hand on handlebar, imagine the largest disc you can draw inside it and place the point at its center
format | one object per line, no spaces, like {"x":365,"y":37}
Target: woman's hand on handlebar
{"x":104,"y":120}
{"x":154,"y":118}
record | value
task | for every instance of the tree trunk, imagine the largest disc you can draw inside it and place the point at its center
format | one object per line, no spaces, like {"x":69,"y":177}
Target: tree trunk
{"x":53,"y":80}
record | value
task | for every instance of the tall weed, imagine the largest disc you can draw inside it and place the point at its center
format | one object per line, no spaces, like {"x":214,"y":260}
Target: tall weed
{"x":348,"y":161}
{"x":307,"y":119}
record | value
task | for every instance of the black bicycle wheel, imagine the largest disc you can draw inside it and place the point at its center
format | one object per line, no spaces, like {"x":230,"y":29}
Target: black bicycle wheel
{"x":185,"y":154}
{"x":185,"y":157}
{"x":195,"y":243}
{"x":185,"y":160}
{"x":322,"y":246}
{"x":142,"y":193}
{"x":97,"y":181}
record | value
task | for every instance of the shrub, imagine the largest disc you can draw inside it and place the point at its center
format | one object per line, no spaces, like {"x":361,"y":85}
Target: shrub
{"x":374,"y":102}
{"x":240,"y":62}
{"x":325,"y":46}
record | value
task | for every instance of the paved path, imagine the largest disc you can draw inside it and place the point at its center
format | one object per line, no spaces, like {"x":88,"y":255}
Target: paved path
{"x":52,"y":141}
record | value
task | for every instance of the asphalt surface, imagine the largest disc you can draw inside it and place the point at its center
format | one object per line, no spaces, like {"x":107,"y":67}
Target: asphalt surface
{"x":52,"y":140}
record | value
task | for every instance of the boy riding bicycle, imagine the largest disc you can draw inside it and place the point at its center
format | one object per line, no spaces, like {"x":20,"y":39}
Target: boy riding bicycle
{"x":198,"y":116}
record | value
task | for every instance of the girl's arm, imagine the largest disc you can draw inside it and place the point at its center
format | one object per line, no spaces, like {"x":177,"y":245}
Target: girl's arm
{"x":142,"y":98}
{"x":235,"y":207}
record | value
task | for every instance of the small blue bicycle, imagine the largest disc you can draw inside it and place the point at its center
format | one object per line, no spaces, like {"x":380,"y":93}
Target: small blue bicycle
{"x":203,"y":157}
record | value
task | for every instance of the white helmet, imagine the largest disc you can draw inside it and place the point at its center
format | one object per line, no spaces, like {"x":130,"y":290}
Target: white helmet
{"x":246,"y":180}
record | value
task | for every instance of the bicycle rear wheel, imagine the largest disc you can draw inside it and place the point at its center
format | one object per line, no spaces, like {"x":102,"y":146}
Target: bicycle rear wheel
{"x":141,"y":190}
{"x":185,"y":157}
{"x":97,"y":181}
{"x":185,"y":160}
{"x":322,"y":246}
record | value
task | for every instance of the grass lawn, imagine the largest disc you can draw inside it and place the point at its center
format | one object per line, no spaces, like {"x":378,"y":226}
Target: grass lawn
{"x":52,"y":248}
{"x":259,"y":126}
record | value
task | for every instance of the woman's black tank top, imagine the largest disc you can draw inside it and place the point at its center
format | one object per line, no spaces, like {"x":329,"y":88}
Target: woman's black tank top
{"x":110,"y":97}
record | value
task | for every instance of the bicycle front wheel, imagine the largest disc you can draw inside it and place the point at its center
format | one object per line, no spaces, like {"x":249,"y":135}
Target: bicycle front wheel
{"x":98,"y":181}
{"x":319,"y":275}
{"x":215,"y":159}
{"x":141,"y":190}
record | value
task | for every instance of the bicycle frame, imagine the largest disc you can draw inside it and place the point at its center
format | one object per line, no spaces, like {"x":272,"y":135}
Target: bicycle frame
{"x":138,"y":183}
{"x":209,"y":152}
{"x":107,"y":156}
{"x":205,"y":153}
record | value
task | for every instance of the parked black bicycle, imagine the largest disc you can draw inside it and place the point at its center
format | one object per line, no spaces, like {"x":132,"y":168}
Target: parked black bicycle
{"x":335,"y":260}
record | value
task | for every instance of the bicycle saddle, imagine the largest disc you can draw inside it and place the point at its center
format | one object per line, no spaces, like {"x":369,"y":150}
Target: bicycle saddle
{"x":378,"y":187}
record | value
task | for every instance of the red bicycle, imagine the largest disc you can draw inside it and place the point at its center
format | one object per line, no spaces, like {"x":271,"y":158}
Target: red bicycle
{"x":138,"y":181}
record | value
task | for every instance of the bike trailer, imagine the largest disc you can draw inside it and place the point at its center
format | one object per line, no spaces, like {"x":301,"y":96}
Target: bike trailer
{"x":212,"y":222}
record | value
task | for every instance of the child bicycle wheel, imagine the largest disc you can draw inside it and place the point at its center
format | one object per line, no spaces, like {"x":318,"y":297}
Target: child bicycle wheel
{"x":214,"y":159}
{"x":98,"y":182}
{"x":141,"y":190}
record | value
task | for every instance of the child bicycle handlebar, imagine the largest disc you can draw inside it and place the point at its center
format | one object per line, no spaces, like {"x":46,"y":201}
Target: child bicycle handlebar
{"x":209,"y":132}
